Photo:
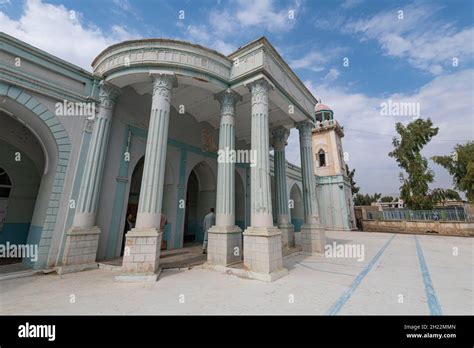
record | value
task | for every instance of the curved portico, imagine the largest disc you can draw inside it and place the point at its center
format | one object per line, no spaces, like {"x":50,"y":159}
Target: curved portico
{"x":247,"y":100}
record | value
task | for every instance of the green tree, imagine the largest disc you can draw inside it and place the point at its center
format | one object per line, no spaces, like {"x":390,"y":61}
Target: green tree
{"x":407,"y":152}
{"x":366,"y":199}
{"x":460,"y":164}
{"x":439,"y":195}
{"x":350,"y":174}
{"x":386,"y":199}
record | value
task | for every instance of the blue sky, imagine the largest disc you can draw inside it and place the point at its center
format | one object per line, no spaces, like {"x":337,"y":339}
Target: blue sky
{"x":392,"y":55}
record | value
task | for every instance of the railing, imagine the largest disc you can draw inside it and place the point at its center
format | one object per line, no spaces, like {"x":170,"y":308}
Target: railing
{"x":457,"y":214}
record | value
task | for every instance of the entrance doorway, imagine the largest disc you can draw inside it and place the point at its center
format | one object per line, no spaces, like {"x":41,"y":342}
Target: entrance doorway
{"x":200,"y":197}
{"x":297,"y":212}
{"x":191,"y":223}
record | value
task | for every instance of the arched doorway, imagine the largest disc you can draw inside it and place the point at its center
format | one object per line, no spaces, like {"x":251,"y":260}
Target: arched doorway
{"x":239,"y":202}
{"x":38,"y":136}
{"x":5,"y":188}
{"x":191,"y":223}
{"x":21,"y":165}
{"x":134,"y":197}
{"x":297,"y":212}
{"x":200,"y":197}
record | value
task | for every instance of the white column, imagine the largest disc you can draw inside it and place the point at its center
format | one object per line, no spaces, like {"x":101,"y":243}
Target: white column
{"x":84,"y":223}
{"x":310,"y":202}
{"x":313,"y":237}
{"x":262,"y":241}
{"x":225,"y":209}
{"x":280,"y":137}
{"x":86,"y":208}
{"x":151,"y":191}
{"x":143,"y":243}
{"x":225,"y":239}
{"x":260,"y":195}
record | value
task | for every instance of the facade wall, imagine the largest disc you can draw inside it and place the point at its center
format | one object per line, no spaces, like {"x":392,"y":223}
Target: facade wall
{"x":31,"y":83}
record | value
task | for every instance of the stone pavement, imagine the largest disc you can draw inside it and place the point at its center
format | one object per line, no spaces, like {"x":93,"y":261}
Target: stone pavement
{"x":399,"y":274}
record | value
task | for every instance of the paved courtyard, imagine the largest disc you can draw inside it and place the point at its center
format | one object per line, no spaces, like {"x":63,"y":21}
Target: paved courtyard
{"x":399,"y":274}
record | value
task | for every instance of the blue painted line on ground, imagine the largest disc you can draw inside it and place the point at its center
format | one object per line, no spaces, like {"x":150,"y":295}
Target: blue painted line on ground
{"x":433,"y":303}
{"x":341,"y":301}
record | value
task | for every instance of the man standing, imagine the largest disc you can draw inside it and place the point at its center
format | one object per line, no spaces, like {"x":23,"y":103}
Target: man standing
{"x":129,"y":225}
{"x":209,"y":221}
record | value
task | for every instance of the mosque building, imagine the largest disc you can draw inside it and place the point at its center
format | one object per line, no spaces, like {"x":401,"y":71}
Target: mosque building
{"x":129,"y":159}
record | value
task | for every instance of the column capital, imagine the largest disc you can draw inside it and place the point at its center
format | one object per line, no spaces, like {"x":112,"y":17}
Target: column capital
{"x":163,"y":83}
{"x":306,"y":129}
{"x":280,"y":137}
{"x":259,"y":89}
{"x":227,"y":99}
{"x":108,"y":94}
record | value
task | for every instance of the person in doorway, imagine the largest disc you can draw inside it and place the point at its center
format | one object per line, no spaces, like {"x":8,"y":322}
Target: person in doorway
{"x":209,"y":221}
{"x":129,"y":224}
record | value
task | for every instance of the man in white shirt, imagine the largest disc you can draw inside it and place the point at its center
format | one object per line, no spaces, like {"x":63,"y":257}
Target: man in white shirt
{"x":209,"y":221}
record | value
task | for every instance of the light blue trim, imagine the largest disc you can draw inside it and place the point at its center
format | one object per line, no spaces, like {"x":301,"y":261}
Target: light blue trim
{"x":247,"y":197}
{"x":86,"y":139}
{"x":15,"y":233}
{"x":179,"y":230}
{"x":167,"y":234}
{"x":341,"y":301}
{"x":297,"y":223}
{"x":433,"y":303}
{"x":171,"y":68}
{"x":34,"y":237}
{"x":119,"y":201}
{"x":180,"y":145}
{"x":174,"y":240}
{"x":343,"y":207}
{"x":25,"y":51}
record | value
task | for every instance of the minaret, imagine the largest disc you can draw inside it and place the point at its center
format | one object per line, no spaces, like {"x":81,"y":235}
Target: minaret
{"x":327,"y":144}
{"x":333,"y":185}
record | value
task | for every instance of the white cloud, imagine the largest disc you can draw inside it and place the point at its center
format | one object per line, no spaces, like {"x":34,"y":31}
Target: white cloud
{"x":247,"y":14}
{"x":313,"y":60}
{"x":332,"y":75}
{"x":316,"y":60}
{"x":62,"y":33}
{"x":200,"y":34}
{"x":447,"y":100}
{"x":427,"y":43}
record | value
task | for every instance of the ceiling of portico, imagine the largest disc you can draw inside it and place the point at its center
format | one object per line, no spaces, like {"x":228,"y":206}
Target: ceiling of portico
{"x":197,"y":98}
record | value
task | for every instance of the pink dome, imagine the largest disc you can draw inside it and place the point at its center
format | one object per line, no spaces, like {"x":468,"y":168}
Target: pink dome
{"x":321,"y":107}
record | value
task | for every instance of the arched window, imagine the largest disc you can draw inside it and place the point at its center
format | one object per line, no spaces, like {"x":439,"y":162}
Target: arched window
{"x":322,"y":158}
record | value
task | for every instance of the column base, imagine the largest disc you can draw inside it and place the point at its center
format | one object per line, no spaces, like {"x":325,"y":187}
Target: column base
{"x":313,"y":239}
{"x":263,"y":251}
{"x":81,"y":246}
{"x":224,"y":245}
{"x":142,"y":255}
{"x":287,"y":235}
